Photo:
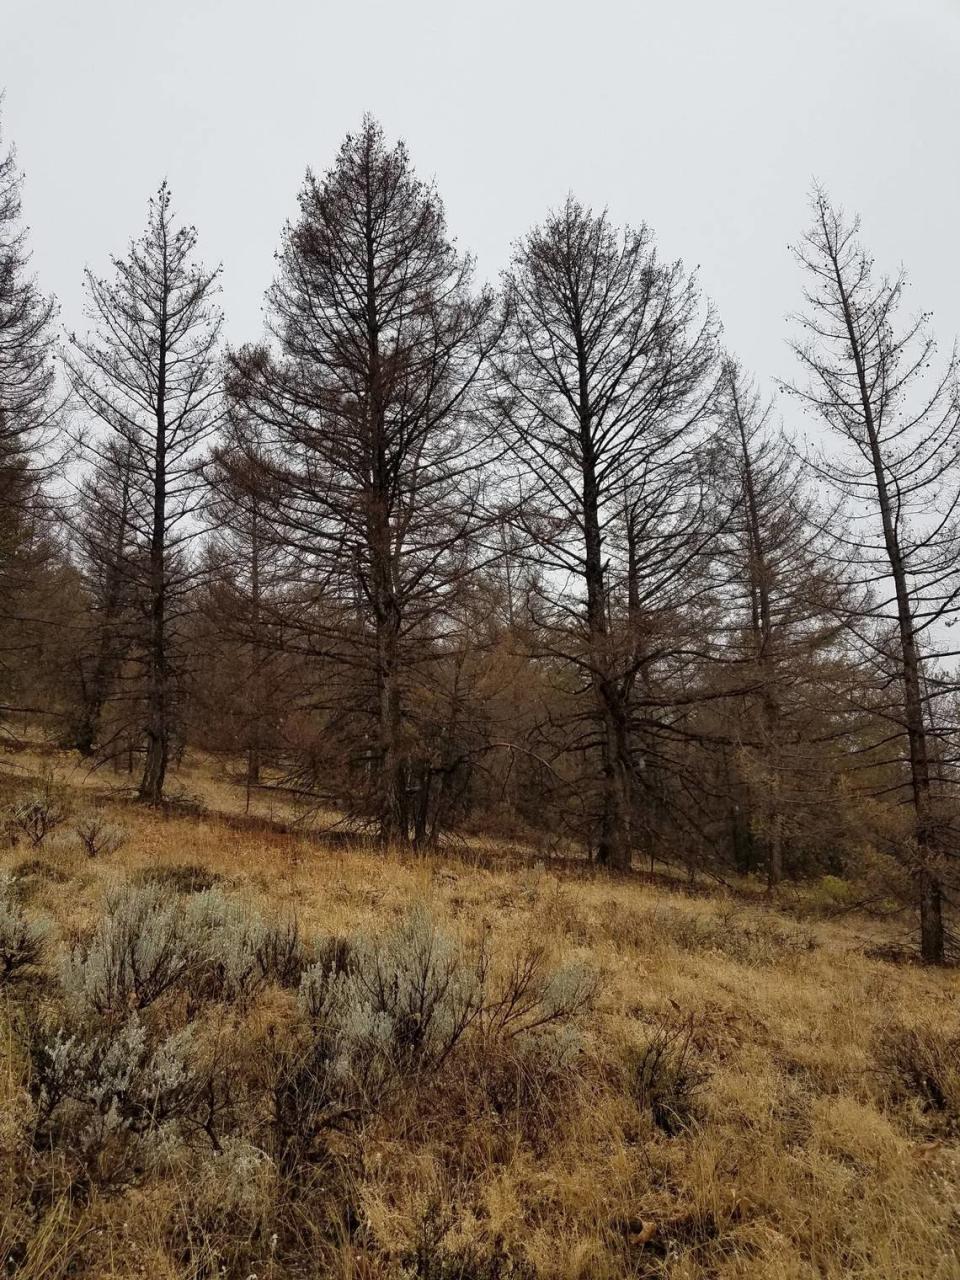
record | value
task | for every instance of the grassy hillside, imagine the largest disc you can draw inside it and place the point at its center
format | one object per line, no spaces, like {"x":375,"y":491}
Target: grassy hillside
{"x":449,"y":1067}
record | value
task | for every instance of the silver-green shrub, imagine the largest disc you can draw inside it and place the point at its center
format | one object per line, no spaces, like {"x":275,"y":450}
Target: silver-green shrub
{"x":142,"y":947}
{"x":400,"y":1004}
{"x":150,"y":941}
{"x":227,"y":935}
{"x":22,"y":941}
{"x":90,"y":1088}
{"x":238,"y":951}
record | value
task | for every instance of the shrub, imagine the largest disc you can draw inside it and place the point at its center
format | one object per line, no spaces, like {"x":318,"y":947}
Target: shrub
{"x":921,"y":1064}
{"x":225,"y":937}
{"x":531,"y":1079}
{"x":184,"y":877}
{"x":333,"y":956}
{"x":533,"y":1001}
{"x":432,"y":1256}
{"x":98,"y":837}
{"x":748,"y":939}
{"x":835,"y":891}
{"x":398,"y":1006}
{"x":310,"y":1092}
{"x":420,"y":982}
{"x":96,"y":1089}
{"x":142,"y":947}
{"x":148,"y":943}
{"x":238,"y":952}
{"x":281,"y":953}
{"x":37,"y":814}
{"x":530,"y":1039}
{"x":22,"y":941}
{"x":227,"y":1200}
{"x":663,"y":1077}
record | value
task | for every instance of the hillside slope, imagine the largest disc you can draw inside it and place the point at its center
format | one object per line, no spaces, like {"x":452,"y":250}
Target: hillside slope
{"x":602,"y":1078}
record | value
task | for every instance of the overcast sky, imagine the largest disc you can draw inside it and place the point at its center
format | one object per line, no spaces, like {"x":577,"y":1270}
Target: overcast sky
{"x":706,"y":119}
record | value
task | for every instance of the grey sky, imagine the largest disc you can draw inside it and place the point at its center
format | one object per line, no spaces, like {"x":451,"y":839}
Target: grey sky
{"x":705,"y":118}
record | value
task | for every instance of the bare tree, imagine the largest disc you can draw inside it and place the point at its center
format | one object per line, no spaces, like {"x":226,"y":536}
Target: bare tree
{"x":895,"y":427}
{"x":784,"y":600}
{"x":366,"y":415}
{"x":244,"y":595}
{"x":605,"y":378}
{"x":148,"y":374}
{"x":27,"y":414}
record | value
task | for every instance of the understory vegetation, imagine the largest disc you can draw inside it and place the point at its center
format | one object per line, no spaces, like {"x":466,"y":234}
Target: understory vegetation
{"x":228,"y":1050}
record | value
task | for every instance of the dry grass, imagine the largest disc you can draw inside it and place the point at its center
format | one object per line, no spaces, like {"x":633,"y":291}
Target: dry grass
{"x":814,"y":1092}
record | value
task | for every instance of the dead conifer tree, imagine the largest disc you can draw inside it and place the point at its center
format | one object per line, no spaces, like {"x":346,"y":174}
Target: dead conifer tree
{"x":894,"y":453}
{"x":605,"y":378}
{"x":365,"y":416}
{"x":784,"y":602}
{"x":147,"y":373}
{"x":27,"y":420}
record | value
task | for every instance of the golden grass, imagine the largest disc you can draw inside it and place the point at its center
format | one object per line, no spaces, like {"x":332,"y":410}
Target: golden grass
{"x":801,"y":1161}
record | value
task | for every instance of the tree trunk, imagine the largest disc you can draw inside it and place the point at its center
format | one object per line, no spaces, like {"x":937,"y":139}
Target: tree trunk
{"x":761,"y":624}
{"x":775,"y":850}
{"x":930,"y":890}
{"x":391,"y":785}
{"x":158,"y":727}
{"x":421,"y":821}
{"x":85,"y":735}
{"x":155,"y":768}
{"x":253,"y":763}
{"x":931,"y":917}
{"x":257,"y":698}
{"x":391,"y":800}
{"x":158,"y":719}
{"x":614,"y":847}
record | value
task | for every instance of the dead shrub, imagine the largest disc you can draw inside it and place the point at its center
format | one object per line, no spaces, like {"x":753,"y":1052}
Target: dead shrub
{"x":528,"y":1082}
{"x":663,"y":1077}
{"x":37,"y":814}
{"x":531,"y":998}
{"x":281,"y":953}
{"x":432,"y":1255}
{"x":98,"y":837}
{"x":181,"y":877}
{"x":920,"y":1065}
